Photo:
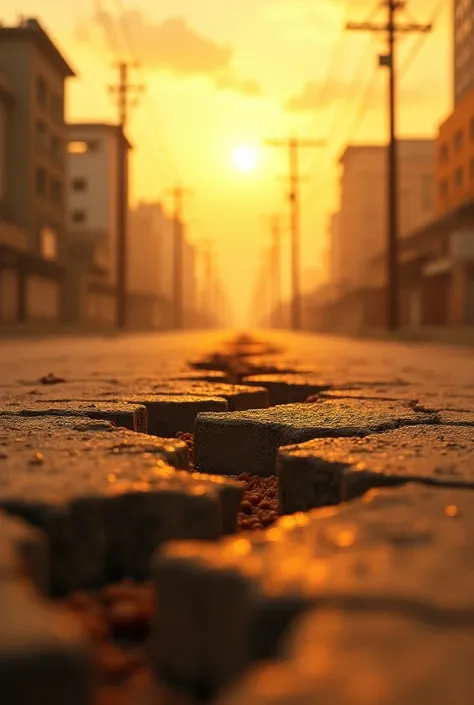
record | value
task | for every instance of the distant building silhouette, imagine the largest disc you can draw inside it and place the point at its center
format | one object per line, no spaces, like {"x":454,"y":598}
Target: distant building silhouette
{"x":92,"y":203}
{"x":32,"y":174}
{"x":358,"y":230}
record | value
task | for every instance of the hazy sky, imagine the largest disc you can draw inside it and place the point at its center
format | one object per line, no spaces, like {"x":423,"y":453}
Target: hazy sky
{"x":220,"y":73}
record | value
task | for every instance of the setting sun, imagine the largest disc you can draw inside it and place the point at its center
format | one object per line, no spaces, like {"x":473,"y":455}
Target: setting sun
{"x":245,"y":158}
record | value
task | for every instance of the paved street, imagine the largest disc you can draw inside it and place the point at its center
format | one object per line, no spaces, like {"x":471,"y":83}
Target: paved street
{"x":143,"y":481}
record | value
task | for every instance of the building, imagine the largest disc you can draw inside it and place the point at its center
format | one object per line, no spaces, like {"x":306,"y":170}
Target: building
{"x":94,"y":200}
{"x":359,"y":231}
{"x":455,"y":157}
{"x":149,"y":278}
{"x":190,"y":302}
{"x":33,"y":176}
{"x":336,"y":273}
{"x":463,"y":27}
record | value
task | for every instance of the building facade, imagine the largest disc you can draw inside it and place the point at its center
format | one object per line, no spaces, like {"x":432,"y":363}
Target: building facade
{"x":360,"y":225}
{"x":94,"y":198}
{"x":33,"y":174}
{"x":463,"y":44}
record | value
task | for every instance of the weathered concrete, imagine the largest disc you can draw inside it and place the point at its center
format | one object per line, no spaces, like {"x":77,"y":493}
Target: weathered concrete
{"x":420,"y":396}
{"x":103,"y":507}
{"x":72,"y":437}
{"x":239,"y":397}
{"x":368,"y":657}
{"x":288,"y":388}
{"x":128,"y":415}
{"x":328,"y":471}
{"x":248,"y":441}
{"x":408,"y":550}
{"x":44,"y":656}
{"x":170,"y":414}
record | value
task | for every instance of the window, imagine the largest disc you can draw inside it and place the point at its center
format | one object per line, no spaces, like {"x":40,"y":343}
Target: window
{"x":55,"y":149}
{"x":41,"y":92}
{"x":40,"y":136}
{"x":458,"y":178}
{"x":78,"y":216}
{"x":56,"y":107}
{"x":82,"y":146}
{"x":443,"y":154}
{"x":40,"y":182}
{"x":48,"y":243}
{"x":79,"y":184}
{"x":458,"y":140}
{"x":427,"y":192}
{"x":56,"y":192}
{"x":443,"y":187}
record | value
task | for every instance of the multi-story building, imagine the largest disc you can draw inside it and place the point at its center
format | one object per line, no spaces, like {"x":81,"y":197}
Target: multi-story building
{"x":151,"y":264}
{"x":94,"y":199}
{"x":463,"y":48}
{"x":361,"y":224}
{"x":33,"y":167}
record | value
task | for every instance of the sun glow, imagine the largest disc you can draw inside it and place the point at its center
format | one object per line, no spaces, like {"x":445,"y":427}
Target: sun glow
{"x":245,"y":158}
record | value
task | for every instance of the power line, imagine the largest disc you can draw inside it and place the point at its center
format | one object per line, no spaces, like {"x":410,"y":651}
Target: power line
{"x":365,"y":104}
{"x":115,"y":48}
{"x":390,"y":28}
{"x":332,"y":63}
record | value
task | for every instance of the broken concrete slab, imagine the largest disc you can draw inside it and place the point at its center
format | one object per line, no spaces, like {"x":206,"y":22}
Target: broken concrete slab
{"x":378,"y":659}
{"x":248,"y":441}
{"x":407,"y":550}
{"x":288,"y":388}
{"x":239,"y":397}
{"x":421,"y":397}
{"x":127,"y":415}
{"x":328,"y":471}
{"x":44,"y":656}
{"x":169,"y":414}
{"x":103,"y":506}
{"x":74,"y":436}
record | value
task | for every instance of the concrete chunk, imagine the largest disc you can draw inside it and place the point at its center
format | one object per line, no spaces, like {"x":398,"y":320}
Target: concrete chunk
{"x":68,"y":436}
{"x":44,"y":658}
{"x":170,"y":414}
{"x":408,"y":550}
{"x":105,"y":506}
{"x":287,"y":388}
{"x":382,"y":659}
{"x":327,"y":471}
{"x":131,"y":416}
{"x":248,"y":441}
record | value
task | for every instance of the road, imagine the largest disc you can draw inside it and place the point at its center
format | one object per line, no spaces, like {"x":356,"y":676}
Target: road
{"x":365,"y":447}
{"x":159,"y":353}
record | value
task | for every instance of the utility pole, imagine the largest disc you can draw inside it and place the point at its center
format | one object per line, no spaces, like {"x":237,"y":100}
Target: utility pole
{"x":123,"y":90}
{"x":276,"y":269}
{"x":293,"y":146}
{"x":178,"y":193}
{"x":391,"y":29}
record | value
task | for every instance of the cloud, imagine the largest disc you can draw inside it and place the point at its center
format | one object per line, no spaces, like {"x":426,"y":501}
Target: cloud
{"x":172,"y":46}
{"x":318,"y":96}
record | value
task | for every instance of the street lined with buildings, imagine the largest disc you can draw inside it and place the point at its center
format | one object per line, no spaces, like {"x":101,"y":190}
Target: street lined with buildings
{"x":64,"y":213}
